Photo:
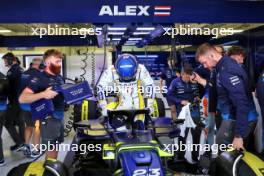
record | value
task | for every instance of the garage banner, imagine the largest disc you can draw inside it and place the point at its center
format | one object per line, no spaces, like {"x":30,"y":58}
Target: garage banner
{"x":153,"y":11}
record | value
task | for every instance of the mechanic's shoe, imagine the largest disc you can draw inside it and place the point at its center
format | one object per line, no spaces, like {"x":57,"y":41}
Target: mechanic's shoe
{"x":13,"y":147}
{"x":27,"y":151}
{"x":35,"y":154}
{"x":21,"y":147}
{"x":2,"y":162}
{"x":16,"y":147}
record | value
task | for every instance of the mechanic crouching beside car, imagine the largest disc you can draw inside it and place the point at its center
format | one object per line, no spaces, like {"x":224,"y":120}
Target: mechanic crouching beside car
{"x":233,"y":94}
{"x":40,"y":87}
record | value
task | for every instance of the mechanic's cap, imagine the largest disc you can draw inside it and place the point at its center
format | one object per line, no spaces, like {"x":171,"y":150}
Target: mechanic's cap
{"x":126,"y":66}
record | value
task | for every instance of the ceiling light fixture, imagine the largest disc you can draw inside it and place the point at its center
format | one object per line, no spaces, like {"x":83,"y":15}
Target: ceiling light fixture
{"x":134,"y":39}
{"x":5,"y":31}
{"x":115,"y":33}
{"x":117,"y":28}
{"x":140,"y":33}
{"x":147,"y":56}
{"x":145,"y":28}
{"x":116,"y":39}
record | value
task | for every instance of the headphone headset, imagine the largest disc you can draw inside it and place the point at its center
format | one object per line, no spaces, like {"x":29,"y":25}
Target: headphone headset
{"x":10,"y":57}
{"x":42,"y":65}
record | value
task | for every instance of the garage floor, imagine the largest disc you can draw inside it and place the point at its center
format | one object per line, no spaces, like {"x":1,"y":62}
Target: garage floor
{"x":15,"y":158}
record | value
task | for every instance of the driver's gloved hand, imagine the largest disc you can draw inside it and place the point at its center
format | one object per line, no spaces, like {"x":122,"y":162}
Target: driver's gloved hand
{"x":104,"y":112}
{"x":150,"y":105}
{"x":102,"y":119}
{"x":118,"y":122}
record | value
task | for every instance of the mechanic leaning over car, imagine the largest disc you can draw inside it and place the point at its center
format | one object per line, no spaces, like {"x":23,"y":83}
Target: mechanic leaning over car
{"x":13,"y":109}
{"x":40,"y":87}
{"x":233,"y":92}
{"x":209,"y":82}
{"x":182,"y":91}
{"x":132,"y":82}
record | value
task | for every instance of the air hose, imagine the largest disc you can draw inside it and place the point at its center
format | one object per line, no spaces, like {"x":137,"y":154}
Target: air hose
{"x":146,"y":52}
{"x":93,"y":68}
{"x":173,"y":53}
{"x":85,"y":64}
{"x":68,"y":125}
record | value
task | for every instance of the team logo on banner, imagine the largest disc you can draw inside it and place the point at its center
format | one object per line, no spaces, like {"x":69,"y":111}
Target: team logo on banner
{"x":134,"y":10}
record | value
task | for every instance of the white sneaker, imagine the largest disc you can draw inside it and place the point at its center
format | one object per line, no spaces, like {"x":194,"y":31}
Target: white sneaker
{"x":2,"y":163}
{"x":35,"y":154}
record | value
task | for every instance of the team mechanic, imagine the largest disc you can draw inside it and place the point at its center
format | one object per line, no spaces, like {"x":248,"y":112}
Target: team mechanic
{"x":233,"y":92}
{"x":209,"y":83}
{"x":40,"y":87}
{"x":4,"y":86}
{"x":25,"y":113}
{"x":182,"y":91}
{"x":260,"y":96}
{"x":13,"y":110}
{"x":167,"y":76}
{"x":129,"y":77}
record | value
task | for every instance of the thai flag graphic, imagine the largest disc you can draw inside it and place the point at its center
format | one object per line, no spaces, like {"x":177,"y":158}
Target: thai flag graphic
{"x":162,"y":10}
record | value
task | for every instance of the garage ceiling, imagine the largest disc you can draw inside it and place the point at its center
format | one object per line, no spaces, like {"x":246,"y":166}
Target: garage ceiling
{"x":25,"y":29}
{"x":116,"y":31}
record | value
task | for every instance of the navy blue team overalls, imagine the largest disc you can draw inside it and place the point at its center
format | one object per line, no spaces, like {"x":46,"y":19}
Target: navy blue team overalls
{"x":3,"y":107}
{"x":260,"y":95}
{"x":25,"y":112}
{"x":25,"y":80}
{"x":52,"y":127}
{"x":168,"y":75}
{"x":13,"y":110}
{"x":180,"y":90}
{"x":234,"y":97}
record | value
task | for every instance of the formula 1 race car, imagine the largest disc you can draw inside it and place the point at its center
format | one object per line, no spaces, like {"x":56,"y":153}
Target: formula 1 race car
{"x":134,"y":151}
